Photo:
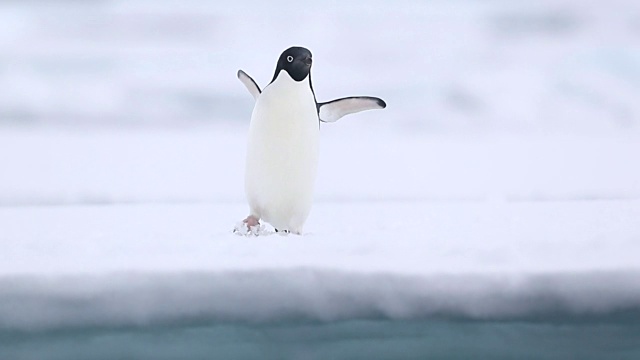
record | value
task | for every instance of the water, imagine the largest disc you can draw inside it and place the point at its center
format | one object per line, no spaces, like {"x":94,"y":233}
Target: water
{"x":357,"y":339}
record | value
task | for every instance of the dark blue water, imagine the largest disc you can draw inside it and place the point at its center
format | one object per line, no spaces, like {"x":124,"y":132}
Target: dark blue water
{"x":358,"y":339}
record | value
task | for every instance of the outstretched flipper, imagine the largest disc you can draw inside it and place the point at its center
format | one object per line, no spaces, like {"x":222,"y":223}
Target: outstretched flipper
{"x":333,"y":110}
{"x":250,"y":84}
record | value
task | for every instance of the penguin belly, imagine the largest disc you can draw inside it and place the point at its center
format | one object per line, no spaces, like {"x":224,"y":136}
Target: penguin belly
{"x":282,"y":154}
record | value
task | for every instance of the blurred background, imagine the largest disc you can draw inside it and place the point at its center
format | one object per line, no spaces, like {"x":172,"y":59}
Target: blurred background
{"x":96,"y":94}
{"x":471,"y":65}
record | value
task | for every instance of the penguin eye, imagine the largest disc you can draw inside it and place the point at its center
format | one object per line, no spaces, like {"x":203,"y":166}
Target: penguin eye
{"x":289,"y":58}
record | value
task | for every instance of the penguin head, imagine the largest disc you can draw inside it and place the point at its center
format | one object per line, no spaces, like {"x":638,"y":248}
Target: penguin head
{"x":296,"y":61}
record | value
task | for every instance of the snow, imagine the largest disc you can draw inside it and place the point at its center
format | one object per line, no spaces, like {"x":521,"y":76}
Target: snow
{"x":65,"y":166}
{"x":500,"y":183}
{"x":413,"y":238}
{"x":462,"y":65}
{"x":138,"y":228}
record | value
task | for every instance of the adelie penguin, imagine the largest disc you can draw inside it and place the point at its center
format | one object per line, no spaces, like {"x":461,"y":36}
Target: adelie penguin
{"x":282,"y":150}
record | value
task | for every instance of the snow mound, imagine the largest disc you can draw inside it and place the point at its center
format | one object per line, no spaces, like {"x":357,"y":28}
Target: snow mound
{"x":299,"y":294}
{"x":134,"y":228}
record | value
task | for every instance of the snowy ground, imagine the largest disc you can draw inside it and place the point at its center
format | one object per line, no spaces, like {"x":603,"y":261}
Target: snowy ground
{"x":501,"y":184}
{"x":404,"y":226}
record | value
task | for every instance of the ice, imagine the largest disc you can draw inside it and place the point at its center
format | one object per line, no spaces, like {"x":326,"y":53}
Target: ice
{"x":359,"y":161}
{"x":442,"y":66}
{"x":403,"y":226}
{"x":500,"y":183}
{"x":304,"y":294}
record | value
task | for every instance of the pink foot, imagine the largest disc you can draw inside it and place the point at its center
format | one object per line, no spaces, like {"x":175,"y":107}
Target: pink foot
{"x":248,"y":226}
{"x":251,"y":221}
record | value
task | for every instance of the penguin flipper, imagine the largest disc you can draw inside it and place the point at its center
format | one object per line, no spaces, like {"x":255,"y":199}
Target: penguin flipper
{"x":332,"y":111}
{"x":249,"y":83}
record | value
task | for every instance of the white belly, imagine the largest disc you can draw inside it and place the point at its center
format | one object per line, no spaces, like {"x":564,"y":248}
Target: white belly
{"x":282,"y":154}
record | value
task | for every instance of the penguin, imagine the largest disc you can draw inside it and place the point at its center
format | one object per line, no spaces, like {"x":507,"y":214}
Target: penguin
{"x":282,"y":147}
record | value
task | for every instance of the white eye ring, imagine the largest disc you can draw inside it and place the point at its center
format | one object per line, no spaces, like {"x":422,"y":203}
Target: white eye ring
{"x":289,"y":58}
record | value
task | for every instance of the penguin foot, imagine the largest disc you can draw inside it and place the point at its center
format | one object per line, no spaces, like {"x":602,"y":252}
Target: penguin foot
{"x":249,"y":226}
{"x":287,"y":232}
{"x":251,"y":221}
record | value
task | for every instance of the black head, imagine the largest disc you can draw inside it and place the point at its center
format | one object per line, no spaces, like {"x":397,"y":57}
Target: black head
{"x":296,"y":61}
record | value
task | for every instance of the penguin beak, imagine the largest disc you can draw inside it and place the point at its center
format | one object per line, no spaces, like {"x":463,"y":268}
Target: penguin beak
{"x":307,"y":60}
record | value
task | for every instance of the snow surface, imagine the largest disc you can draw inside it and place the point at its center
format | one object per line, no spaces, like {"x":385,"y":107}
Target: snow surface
{"x":134,"y":228}
{"x":501,"y":182}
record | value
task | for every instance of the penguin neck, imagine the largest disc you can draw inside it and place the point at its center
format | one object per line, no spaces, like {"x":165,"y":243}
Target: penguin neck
{"x":284,"y":81}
